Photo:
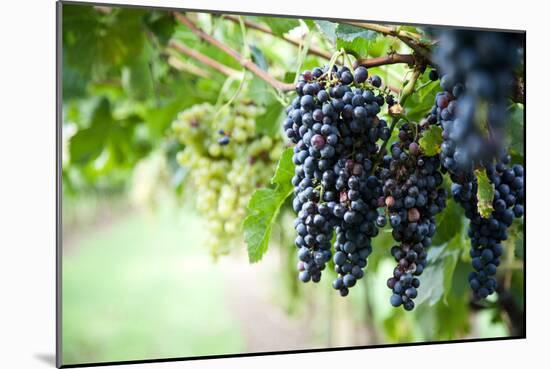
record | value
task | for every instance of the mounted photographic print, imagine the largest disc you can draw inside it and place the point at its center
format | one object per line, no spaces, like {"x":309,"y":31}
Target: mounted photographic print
{"x":236,"y":184}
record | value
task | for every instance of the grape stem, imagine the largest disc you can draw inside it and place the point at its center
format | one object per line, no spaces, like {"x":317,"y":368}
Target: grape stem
{"x":386,"y":60}
{"x":407,"y":91}
{"x":411,"y":39}
{"x":255,"y":69}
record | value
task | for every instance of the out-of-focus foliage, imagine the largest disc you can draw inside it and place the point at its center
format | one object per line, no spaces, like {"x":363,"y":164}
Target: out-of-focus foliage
{"x":123,"y":86}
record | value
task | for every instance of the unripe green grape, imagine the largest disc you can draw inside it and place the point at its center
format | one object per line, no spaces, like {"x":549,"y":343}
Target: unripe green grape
{"x":224,"y":177}
{"x":239,"y":135}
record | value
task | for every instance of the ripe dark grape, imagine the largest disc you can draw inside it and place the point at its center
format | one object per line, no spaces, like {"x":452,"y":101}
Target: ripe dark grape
{"x":223,"y":140}
{"x":376,"y":81}
{"x":360,"y":74}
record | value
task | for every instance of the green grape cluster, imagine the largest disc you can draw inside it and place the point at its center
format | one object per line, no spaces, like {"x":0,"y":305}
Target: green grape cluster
{"x":227,"y":159}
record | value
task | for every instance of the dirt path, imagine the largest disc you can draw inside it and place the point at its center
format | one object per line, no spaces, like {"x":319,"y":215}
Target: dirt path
{"x":266,"y":326}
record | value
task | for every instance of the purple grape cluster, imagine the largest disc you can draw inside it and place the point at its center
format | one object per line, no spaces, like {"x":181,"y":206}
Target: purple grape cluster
{"x":335,"y":125}
{"x":487,"y":234}
{"x":413,"y":196}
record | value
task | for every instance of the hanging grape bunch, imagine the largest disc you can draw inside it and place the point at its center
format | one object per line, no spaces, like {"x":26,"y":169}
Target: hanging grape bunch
{"x":333,"y":122}
{"x":413,"y":197}
{"x":335,"y":126}
{"x":472,"y":110}
{"x":487,"y":233}
{"x":477,"y":78}
{"x":227,"y":160}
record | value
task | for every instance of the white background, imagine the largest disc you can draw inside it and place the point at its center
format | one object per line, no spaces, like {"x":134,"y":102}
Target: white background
{"x":27,"y":182}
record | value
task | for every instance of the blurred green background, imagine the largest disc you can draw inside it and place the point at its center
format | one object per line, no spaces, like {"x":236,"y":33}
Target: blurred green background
{"x":137,"y":279}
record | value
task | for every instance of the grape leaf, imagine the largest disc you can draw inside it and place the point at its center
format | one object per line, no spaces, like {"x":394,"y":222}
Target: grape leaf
{"x":358,"y":47}
{"x":280,"y":26}
{"x":285,"y":171}
{"x":430,"y":142}
{"x":485,"y":194}
{"x":449,"y":223}
{"x":289,"y":77}
{"x":161,"y":24}
{"x":515,"y":129}
{"x":264,"y":206}
{"x":87,"y":144}
{"x":310,"y":23}
{"x":137,"y":80}
{"x":422,"y":101}
{"x":270,"y":121}
{"x":347,"y":32}
{"x":258,"y":57}
{"x":262,"y":92}
{"x":328,"y":29}
{"x":438,"y":275}
{"x":97,"y":42}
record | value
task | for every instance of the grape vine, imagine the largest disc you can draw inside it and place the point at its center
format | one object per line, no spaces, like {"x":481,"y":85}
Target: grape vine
{"x":347,"y":184}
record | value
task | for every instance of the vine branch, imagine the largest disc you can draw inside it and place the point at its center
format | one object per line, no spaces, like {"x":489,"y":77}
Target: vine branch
{"x":214,"y":64}
{"x":411,"y":39}
{"x":386,"y":60}
{"x":392,"y":31}
{"x":407,"y":91}
{"x":246,"y":63}
{"x":262,"y":28}
{"x":252,"y":67}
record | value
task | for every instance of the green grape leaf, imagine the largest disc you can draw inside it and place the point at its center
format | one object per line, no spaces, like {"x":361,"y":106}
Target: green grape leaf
{"x":284,"y":172}
{"x":485,"y":194}
{"x":289,"y":77}
{"x":74,"y":83}
{"x":310,"y":23}
{"x":430,"y":142}
{"x":264,"y":206}
{"x":88,"y":143}
{"x":137,"y":80}
{"x":270,"y":122}
{"x":328,"y":29}
{"x":280,"y":26}
{"x":449,"y":223}
{"x":262,"y":92}
{"x":162,"y":25}
{"x":347,"y":32}
{"x":96,"y":42}
{"x":258,"y":57}
{"x":358,"y":47}
{"x":438,"y":276}
{"x":422,"y":100}
{"x":515,"y":129}
{"x":519,"y":246}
